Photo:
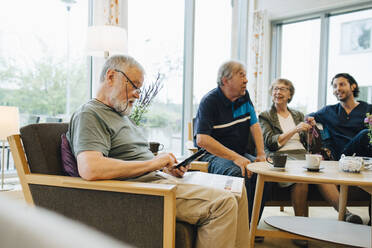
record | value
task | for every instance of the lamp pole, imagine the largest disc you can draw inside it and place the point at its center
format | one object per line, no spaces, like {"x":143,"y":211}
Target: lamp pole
{"x":68,"y":3}
{"x":2,"y":166}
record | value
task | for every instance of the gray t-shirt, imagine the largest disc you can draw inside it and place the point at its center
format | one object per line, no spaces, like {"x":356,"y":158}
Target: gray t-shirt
{"x":97,"y":127}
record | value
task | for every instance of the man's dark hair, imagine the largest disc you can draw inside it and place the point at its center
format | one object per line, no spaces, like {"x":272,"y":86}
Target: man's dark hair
{"x":351,"y":81}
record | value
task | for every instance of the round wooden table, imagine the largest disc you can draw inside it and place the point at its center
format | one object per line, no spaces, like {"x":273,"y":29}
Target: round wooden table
{"x":295,"y":172}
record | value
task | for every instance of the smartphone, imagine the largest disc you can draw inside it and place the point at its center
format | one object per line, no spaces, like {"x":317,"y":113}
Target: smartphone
{"x":188,"y":160}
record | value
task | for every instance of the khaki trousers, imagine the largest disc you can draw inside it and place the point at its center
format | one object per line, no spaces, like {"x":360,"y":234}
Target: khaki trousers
{"x":221,"y":216}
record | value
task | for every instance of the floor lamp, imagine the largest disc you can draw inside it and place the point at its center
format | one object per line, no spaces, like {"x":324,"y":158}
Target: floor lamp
{"x":9,"y":125}
{"x":106,"y":40}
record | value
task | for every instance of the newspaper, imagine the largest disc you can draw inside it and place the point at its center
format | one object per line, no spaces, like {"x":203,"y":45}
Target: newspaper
{"x":228,"y":183}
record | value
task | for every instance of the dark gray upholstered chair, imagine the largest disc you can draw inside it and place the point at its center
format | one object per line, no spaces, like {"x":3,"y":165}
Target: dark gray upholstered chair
{"x":141,"y":214}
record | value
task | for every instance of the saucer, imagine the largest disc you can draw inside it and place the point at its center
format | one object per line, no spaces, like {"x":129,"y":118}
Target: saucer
{"x":313,"y":169}
{"x":276,"y":168}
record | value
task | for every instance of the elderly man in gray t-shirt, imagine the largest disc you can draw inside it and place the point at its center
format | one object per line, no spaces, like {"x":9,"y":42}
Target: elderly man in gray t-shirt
{"x":108,"y":145}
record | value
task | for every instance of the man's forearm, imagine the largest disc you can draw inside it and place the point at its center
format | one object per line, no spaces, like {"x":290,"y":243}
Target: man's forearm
{"x":94,"y":166}
{"x":258,"y":139}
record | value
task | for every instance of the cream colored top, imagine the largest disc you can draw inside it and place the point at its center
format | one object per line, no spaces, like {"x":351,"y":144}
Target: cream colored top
{"x":294,"y":142}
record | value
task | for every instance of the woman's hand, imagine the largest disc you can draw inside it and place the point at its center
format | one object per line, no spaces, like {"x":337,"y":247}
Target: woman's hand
{"x":302,"y":127}
{"x":311,"y":120}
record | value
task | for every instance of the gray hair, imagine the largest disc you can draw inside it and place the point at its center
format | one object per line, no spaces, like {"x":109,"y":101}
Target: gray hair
{"x":227,"y":70}
{"x":286,"y":82}
{"x":120,"y":62}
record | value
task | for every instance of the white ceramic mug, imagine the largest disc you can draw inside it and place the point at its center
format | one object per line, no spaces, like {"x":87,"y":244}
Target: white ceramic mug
{"x":313,"y":161}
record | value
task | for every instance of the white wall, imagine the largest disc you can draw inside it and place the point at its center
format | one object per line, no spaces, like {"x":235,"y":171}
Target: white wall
{"x":279,"y":9}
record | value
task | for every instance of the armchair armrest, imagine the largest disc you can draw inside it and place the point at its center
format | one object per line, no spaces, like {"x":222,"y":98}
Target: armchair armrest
{"x":196,"y":165}
{"x":199,"y":166}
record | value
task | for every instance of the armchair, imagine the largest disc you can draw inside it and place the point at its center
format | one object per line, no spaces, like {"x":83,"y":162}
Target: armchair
{"x":140,"y":214}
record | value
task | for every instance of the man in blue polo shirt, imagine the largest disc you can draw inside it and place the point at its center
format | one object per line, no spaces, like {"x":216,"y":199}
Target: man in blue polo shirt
{"x":344,"y":121}
{"x":224,"y":123}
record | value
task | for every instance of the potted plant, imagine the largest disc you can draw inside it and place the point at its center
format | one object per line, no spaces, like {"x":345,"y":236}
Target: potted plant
{"x":148,"y":93}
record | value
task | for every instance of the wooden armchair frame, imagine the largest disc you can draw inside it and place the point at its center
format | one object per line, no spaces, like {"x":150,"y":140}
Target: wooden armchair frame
{"x":29,"y":180}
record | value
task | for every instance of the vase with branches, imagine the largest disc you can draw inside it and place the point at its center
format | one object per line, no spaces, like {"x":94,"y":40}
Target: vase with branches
{"x":148,"y":93}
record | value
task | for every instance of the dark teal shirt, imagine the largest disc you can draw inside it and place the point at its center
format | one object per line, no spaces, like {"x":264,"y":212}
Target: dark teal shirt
{"x":226,"y":121}
{"x":341,"y":127}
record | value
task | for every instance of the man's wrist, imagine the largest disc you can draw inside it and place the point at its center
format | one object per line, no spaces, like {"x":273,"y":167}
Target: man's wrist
{"x":261,"y":157}
{"x":261,"y":154}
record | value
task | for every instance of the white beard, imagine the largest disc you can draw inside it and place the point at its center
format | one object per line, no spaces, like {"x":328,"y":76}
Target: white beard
{"x":122,"y":107}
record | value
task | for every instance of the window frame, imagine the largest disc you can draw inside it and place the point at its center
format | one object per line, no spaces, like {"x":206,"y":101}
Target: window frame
{"x":324,"y":16}
{"x":239,"y":47}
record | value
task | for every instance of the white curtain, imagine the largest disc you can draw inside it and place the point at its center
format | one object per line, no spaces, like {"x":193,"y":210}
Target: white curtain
{"x":108,"y":12}
{"x":111,"y":12}
{"x":258,"y":51}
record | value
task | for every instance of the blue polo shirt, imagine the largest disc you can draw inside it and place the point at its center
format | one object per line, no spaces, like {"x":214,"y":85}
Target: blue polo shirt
{"x":341,"y":127}
{"x":227,"y":122}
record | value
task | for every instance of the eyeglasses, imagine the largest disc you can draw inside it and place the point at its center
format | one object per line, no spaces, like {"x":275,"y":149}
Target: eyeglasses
{"x":138,"y":90}
{"x":276,"y":89}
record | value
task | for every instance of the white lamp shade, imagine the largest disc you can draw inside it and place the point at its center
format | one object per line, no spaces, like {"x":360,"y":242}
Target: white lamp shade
{"x":106,"y":38}
{"x":9,"y":121}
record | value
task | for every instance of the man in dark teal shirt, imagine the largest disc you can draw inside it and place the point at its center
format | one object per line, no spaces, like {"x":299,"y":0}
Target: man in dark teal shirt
{"x":344,"y":122}
{"x":225,"y":122}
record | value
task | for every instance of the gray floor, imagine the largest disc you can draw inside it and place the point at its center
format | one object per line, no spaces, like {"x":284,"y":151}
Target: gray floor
{"x":320,"y":212}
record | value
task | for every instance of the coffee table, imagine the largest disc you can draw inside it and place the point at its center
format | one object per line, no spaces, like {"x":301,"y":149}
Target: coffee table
{"x":298,"y":227}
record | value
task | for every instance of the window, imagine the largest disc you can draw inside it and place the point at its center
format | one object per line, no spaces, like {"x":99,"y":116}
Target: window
{"x":43,"y":69}
{"x":309,"y":54}
{"x":157,"y":44}
{"x":300,"y":62}
{"x":350,"y":50}
{"x":212,"y":44}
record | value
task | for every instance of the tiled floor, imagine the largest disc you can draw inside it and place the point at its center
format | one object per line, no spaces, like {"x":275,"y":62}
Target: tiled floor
{"x":321,"y":212}
{"x":15,"y":192}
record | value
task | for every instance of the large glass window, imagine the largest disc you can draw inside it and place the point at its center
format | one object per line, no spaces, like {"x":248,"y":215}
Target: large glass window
{"x":300,"y":62}
{"x":344,"y":45}
{"x":350,"y":50}
{"x":212,"y":44}
{"x":155,"y":39}
{"x":43,"y":68}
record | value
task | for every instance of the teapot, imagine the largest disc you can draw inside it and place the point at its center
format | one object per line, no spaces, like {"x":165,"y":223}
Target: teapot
{"x":351,"y":163}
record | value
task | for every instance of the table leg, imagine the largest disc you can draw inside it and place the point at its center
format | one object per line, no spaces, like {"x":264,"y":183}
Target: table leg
{"x":342,"y":202}
{"x":256,"y":208}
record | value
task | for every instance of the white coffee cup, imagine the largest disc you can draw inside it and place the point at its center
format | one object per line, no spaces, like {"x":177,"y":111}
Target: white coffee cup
{"x":313,"y":161}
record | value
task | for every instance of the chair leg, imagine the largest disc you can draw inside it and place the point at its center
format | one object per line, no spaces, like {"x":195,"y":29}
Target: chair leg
{"x":281,"y":208}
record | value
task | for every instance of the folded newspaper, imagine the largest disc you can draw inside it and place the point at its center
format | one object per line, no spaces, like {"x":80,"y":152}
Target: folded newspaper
{"x":228,"y":183}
